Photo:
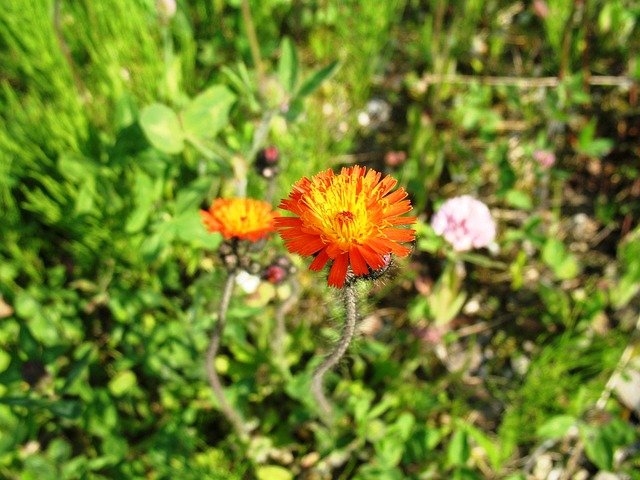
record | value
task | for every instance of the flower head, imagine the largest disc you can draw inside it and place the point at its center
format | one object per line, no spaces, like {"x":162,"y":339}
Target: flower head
{"x":350,"y":219}
{"x":243,"y":218}
{"x":545,"y":158}
{"x":465,"y":223}
{"x":166,"y":8}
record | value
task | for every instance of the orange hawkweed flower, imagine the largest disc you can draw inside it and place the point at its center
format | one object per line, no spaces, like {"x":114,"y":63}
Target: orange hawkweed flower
{"x":243,"y":218}
{"x":350,"y":218}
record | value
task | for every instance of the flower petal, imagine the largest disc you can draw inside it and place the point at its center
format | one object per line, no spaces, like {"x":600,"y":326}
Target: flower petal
{"x":338,"y":272}
{"x":358,"y":263}
{"x":319,"y":262}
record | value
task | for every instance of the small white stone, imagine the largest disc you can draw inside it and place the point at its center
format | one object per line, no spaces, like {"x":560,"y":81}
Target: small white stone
{"x":247,"y":282}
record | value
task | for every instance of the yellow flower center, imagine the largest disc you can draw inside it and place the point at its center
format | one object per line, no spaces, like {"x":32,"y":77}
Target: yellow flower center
{"x":338,"y":211}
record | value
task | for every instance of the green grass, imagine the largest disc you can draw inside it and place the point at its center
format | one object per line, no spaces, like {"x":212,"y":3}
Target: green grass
{"x":109,"y":285}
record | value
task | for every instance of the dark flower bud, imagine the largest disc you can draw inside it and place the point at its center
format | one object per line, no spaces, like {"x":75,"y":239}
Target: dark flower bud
{"x":279,"y":270}
{"x":275,"y":274}
{"x":267,"y":162}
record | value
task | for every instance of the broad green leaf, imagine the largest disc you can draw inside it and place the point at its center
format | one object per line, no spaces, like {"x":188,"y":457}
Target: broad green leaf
{"x":273,"y":472}
{"x":288,"y":65}
{"x":559,"y":259}
{"x":598,"y":447}
{"x":122,"y":383}
{"x":208,"y":113}
{"x":312,"y":83}
{"x":154,"y":244}
{"x":189,"y":197}
{"x":557,"y":426}
{"x":403,"y":426}
{"x":389,"y":451}
{"x":519,"y":199}
{"x":5,"y":360}
{"x":188,"y":228}
{"x":161,"y":126}
{"x":459,"y":449}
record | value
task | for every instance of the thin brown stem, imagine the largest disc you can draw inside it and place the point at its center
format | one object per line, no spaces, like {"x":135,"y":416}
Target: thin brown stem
{"x":524,"y":82}
{"x":233,"y":417}
{"x":567,"y":35}
{"x":335,"y":356}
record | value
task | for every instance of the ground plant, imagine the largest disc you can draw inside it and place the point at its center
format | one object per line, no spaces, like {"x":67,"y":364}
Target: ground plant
{"x":318,"y":240}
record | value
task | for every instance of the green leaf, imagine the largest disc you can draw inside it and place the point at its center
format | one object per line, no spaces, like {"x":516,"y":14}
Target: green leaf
{"x":144,"y":201}
{"x":564,"y":265}
{"x":589,"y":145}
{"x":190,"y":197}
{"x":162,"y":128}
{"x":557,"y":426}
{"x":312,"y":83}
{"x":122,"y":383}
{"x":208,"y":113}
{"x":492,"y":449}
{"x":389,"y":451}
{"x":85,"y":198}
{"x":519,"y":199}
{"x":459,"y":449}
{"x":70,"y":409}
{"x":77,"y":369}
{"x":188,"y":228}
{"x":76,"y":168}
{"x":28,"y":343}
{"x":597,"y":447}
{"x":288,"y":65}
{"x":273,"y":472}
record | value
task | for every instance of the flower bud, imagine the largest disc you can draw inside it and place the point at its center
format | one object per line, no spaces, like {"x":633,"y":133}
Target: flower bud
{"x":267,"y":162}
{"x":166,"y":8}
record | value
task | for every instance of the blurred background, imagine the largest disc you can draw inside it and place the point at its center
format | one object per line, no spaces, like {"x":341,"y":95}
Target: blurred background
{"x":119,"y":120}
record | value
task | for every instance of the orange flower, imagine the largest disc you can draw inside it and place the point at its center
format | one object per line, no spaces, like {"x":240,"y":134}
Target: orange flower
{"x":243,"y":218}
{"x":350,"y":218}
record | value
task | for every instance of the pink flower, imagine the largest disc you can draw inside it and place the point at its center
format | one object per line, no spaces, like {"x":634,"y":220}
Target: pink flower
{"x":545,"y":158}
{"x":465,"y":223}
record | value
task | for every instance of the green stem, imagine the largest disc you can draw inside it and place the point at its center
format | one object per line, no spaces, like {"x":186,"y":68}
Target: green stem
{"x":253,"y":41}
{"x":233,"y":417}
{"x":280,"y":330}
{"x":167,"y":47}
{"x":338,"y":352}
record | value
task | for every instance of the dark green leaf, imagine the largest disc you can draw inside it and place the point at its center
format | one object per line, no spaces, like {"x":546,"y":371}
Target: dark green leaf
{"x":77,"y":369}
{"x":311,"y":84}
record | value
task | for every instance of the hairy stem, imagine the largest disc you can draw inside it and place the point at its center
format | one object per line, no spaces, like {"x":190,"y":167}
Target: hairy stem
{"x":214,"y":344}
{"x":338,"y":352}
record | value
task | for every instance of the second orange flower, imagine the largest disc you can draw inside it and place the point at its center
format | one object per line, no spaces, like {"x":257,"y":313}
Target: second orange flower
{"x":242,"y":218}
{"x":351,"y":219}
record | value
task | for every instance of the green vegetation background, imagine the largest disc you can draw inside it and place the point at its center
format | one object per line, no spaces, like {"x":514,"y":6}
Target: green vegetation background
{"x":117,"y":125}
